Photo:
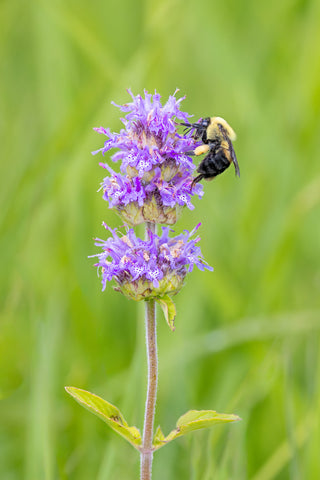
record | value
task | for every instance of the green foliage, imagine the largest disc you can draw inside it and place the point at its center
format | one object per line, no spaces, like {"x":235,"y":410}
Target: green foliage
{"x":110,"y":414}
{"x":247,"y":334}
{"x":191,"y":421}
{"x":169,"y":310}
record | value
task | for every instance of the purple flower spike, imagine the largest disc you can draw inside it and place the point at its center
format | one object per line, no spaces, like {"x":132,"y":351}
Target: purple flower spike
{"x":155,"y":168}
{"x":148,"y":268}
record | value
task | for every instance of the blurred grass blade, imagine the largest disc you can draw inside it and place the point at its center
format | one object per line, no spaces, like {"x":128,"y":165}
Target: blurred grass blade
{"x":169,"y":310}
{"x":190,"y":421}
{"x":108,"y":413}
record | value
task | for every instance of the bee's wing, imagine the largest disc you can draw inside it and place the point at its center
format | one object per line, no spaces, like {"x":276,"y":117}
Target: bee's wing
{"x":234,"y":158}
{"x":231,"y":150}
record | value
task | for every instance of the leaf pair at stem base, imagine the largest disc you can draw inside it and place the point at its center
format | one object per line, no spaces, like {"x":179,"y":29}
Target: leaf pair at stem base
{"x":111,"y":415}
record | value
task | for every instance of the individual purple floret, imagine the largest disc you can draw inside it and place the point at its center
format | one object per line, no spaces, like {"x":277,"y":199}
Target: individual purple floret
{"x":155,"y":167}
{"x":149,"y":268}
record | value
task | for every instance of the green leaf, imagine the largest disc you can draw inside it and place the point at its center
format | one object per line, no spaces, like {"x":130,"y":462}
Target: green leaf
{"x":169,"y":310}
{"x":108,"y":413}
{"x":159,"y":439}
{"x":190,"y":421}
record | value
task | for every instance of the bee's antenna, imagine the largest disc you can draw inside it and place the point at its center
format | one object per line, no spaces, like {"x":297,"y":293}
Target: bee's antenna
{"x":189,"y":126}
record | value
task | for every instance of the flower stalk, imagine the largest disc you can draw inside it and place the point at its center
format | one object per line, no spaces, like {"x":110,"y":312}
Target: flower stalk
{"x":146,"y":455}
{"x":152,"y":358}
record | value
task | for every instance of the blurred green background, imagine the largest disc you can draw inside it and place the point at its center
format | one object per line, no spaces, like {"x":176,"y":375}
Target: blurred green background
{"x":247,"y":335}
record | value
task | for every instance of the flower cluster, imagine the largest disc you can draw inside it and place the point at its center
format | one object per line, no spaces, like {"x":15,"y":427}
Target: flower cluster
{"x":152,"y":187}
{"x":156,"y":170}
{"x":145,"y":269}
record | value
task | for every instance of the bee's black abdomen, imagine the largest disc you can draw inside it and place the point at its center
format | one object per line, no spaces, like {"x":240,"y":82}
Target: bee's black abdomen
{"x":213,"y":164}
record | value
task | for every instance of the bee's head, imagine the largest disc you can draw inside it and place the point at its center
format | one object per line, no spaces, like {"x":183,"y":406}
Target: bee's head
{"x":204,"y":122}
{"x":200,"y":127}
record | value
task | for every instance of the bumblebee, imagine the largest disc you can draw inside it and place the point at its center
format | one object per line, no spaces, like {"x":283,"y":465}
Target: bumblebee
{"x":217,"y":136}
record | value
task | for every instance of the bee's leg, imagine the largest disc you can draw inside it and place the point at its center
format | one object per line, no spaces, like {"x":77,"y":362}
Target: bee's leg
{"x":202,"y":149}
{"x":197,"y":179}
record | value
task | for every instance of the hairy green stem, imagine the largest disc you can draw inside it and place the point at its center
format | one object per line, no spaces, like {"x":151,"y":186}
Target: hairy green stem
{"x":152,"y":358}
